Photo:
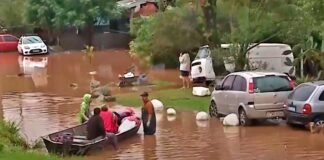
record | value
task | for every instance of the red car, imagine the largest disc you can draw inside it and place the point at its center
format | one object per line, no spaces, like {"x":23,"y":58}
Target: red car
{"x":8,"y":43}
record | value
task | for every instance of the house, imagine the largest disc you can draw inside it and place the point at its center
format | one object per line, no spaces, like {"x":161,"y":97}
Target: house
{"x":139,"y":7}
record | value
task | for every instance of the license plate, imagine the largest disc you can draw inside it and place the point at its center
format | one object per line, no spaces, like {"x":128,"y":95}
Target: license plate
{"x":275,"y":114}
{"x":293,"y":109}
{"x":37,"y":50}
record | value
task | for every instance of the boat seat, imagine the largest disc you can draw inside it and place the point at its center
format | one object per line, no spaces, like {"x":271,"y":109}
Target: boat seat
{"x":84,"y":140}
{"x":79,"y":137}
{"x":81,"y":141}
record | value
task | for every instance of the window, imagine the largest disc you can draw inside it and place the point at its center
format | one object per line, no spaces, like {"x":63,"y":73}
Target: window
{"x":302,"y":93}
{"x":1,"y":40}
{"x":203,"y":53}
{"x":271,"y":84}
{"x":10,"y":39}
{"x":227,"y":84}
{"x":239,"y":84}
{"x":321,"y":97}
{"x":31,"y":40}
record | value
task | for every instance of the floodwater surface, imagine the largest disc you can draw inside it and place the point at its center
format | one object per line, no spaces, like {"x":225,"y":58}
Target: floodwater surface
{"x":36,"y":93}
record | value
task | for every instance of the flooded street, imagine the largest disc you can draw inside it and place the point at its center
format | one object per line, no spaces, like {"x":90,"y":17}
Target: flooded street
{"x":35,"y":92}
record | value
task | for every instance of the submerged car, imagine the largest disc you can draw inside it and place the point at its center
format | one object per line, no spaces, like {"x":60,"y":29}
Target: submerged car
{"x":8,"y":43}
{"x":202,"y":67}
{"x":306,"y":104}
{"x":31,"y":45}
{"x":251,"y":95}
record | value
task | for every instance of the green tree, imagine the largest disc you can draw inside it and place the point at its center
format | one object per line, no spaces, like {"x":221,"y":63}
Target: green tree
{"x":77,"y":13}
{"x":163,"y":36}
{"x":85,"y":13}
{"x":12,"y":13}
{"x":254,"y":22}
{"x":41,"y":13}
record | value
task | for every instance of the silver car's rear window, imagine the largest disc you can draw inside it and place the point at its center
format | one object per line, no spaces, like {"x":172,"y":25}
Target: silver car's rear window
{"x":302,"y":92}
{"x":271,"y":84}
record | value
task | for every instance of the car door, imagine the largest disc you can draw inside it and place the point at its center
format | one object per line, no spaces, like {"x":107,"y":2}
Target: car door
{"x":11,"y":42}
{"x":318,"y":101}
{"x":222,"y":95}
{"x":236,"y":96}
{"x":1,"y":44}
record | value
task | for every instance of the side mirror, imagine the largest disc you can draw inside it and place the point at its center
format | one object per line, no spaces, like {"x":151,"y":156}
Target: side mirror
{"x":218,"y":87}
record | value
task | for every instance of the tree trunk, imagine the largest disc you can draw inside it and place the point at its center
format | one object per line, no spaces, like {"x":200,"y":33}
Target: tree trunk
{"x":210,"y":18}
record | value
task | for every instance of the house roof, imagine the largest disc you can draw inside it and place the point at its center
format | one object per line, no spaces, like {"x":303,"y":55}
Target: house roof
{"x":133,"y":3}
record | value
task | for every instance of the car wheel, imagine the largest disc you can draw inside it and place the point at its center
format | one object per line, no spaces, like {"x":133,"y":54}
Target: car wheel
{"x":243,"y":118}
{"x":213,"y":112}
{"x":319,"y":121}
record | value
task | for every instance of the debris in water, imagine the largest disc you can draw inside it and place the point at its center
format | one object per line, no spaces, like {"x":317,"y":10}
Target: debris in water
{"x":93,"y":73}
{"x":20,"y":74}
{"x":74,"y":85}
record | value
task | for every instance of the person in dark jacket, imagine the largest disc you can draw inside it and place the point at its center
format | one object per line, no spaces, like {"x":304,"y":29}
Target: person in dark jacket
{"x":95,"y":126}
{"x":148,"y":115}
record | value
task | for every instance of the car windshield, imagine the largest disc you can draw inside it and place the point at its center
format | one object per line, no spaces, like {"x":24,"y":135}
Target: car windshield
{"x":271,"y":84}
{"x":31,"y":40}
{"x":203,"y":53}
{"x":302,"y":92}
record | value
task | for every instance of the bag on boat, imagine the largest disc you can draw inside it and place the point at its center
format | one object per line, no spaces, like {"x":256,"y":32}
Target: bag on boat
{"x":126,"y":125}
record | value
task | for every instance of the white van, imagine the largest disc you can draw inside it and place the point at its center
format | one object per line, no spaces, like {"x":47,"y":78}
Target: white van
{"x":202,"y":70}
{"x":273,"y":57}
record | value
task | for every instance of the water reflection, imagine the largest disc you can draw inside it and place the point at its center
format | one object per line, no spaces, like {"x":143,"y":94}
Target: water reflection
{"x":171,"y":118}
{"x":36,"y":67}
{"x":38,"y":114}
{"x":149,"y":145}
{"x":202,"y":123}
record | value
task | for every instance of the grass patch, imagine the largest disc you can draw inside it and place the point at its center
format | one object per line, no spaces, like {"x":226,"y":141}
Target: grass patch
{"x":25,"y":155}
{"x":14,"y":147}
{"x":10,"y":136}
{"x":177,"y":98}
{"x":160,"y":83}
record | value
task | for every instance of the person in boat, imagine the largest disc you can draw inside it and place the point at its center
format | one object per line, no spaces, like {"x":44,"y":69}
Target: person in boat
{"x":148,"y":115}
{"x":85,"y":108}
{"x":110,"y":122}
{"x":95,"y":128}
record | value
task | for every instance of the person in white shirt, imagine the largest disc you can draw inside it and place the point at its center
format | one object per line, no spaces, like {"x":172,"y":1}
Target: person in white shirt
{"x":184,"y":60}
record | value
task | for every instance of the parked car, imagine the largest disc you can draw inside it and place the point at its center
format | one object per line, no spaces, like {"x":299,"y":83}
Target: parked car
{"x":306,"y":104}
{"x":31,"y":45}
{"x":251,"y":95}
{"x":8,"y":43}
{"x":269,"y":57}
{"x":202,"y":67}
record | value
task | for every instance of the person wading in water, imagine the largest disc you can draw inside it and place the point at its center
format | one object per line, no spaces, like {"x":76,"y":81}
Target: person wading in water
{"x":148,"y":115}
{"x":84,"y":114}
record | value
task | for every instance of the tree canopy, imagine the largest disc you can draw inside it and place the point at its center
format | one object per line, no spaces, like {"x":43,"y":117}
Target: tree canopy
{"x":55,"y":14}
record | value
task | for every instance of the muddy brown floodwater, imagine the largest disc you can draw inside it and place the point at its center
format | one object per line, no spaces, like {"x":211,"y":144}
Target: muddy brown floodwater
{"x":35,"y":92}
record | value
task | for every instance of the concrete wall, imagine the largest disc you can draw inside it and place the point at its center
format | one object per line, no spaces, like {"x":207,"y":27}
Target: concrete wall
{"x":104,"y":40}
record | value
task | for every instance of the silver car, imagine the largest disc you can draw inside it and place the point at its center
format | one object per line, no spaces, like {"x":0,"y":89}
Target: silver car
{"x":306,"y":104}
{"x":251,"y":95}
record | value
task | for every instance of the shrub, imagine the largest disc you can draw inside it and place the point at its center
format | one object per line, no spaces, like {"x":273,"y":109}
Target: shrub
{"x":164,"y":35}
